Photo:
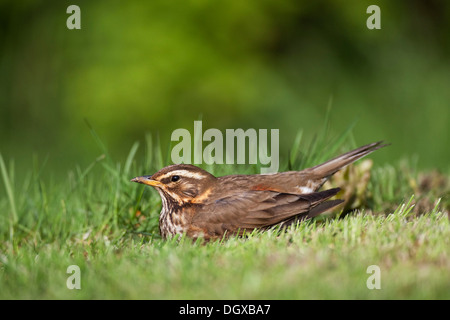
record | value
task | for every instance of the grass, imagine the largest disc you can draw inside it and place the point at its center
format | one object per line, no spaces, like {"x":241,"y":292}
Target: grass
{"x":96,"y":219}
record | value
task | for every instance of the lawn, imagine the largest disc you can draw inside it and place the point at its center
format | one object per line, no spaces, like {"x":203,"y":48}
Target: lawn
{"x":96,"y":219}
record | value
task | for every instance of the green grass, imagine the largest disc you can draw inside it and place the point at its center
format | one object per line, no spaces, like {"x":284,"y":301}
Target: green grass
{"x":97,"y":219}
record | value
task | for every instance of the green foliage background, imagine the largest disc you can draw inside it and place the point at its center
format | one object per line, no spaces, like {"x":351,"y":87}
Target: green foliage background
{"x":83,"y":111}
{"x":154,"y":66}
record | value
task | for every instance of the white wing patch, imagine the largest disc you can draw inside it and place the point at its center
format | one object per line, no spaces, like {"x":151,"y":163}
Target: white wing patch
{"x":305,"y":189}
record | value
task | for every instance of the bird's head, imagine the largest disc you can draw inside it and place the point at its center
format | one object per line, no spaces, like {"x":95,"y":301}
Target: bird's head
{"x":180,"y":183}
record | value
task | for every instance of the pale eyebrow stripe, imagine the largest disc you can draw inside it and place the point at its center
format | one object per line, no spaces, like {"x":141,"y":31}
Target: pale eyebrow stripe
{"x":183,"y":173}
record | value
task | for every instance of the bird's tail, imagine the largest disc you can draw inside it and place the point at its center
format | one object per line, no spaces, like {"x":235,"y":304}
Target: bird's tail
{"x":326,"y":169}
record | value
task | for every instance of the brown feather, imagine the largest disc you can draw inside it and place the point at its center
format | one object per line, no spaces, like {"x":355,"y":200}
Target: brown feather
{"x":258,"y":209}
{"x":330,"y":167}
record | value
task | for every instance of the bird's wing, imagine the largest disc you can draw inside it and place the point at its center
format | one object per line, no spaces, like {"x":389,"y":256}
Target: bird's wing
{"x":260,"y":209}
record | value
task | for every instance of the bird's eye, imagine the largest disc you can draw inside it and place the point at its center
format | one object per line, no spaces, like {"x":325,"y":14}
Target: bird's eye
{"x":175,"y":178}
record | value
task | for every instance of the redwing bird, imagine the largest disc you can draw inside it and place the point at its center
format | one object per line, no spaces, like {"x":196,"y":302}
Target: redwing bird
{"x":198,"y":204}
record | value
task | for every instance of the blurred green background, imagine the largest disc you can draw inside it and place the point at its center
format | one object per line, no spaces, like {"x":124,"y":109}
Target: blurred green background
{"x":155,"y":66}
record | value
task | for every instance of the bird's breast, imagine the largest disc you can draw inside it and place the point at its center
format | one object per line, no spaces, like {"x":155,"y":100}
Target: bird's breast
{"x":170,"y":224}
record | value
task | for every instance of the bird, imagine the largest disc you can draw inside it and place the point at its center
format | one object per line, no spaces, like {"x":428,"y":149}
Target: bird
{"x":197,"y":204}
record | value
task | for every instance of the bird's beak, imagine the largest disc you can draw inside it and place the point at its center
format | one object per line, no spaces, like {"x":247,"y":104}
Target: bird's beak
{"x":148,"y":181}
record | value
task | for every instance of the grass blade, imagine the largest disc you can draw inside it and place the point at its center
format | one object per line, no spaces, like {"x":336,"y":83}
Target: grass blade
{"x":98,"y":141}
{"x":10,"y":193}
{"x":295,"y":149}
{"x":130,"y":158}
